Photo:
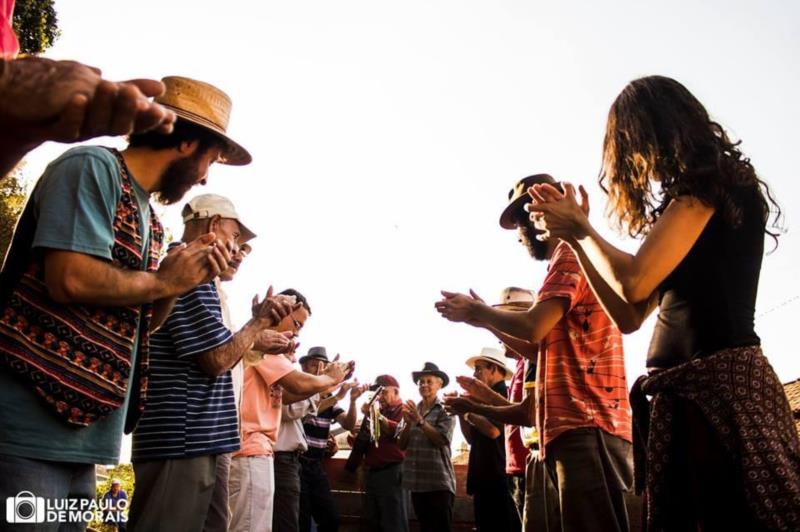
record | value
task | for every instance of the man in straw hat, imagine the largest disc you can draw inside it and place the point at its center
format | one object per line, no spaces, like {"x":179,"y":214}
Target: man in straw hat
{"x":583,"y":467}
{"x":486,"y":473}
{"x":190,"y":422}
{"x":82,"y":288}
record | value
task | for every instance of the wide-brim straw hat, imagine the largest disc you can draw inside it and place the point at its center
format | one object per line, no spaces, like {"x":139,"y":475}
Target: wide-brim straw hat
{"x":431,"y":369}
{"x":494,"y":356}
{"x":518,"y":196}
{"x":207,"y":106}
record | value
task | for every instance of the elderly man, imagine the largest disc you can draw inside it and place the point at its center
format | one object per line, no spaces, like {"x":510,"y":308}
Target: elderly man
{"x":316,"y":499}
{"x":191,"y":418}
{"x":82,"y":288}
{"x":428,"y":470}
{"x":486,"y":478}
{"x":266,"y":381}
{"x":582,"y":412}
{"x":386,"y":505}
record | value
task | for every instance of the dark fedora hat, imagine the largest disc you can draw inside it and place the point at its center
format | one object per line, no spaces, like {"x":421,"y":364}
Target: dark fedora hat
{"x":315,"y":353}
{"x":431,"y":369}
{"x":518,"y":196}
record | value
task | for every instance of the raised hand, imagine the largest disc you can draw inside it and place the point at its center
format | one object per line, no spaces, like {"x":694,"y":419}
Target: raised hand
{"x":338,"y":371}
{"x":476,"y":389}
{"x":274,"y":343}
{"x":66,"y":101}
{"x":273,"y":308}
{"x":458,"y":405}
{"x":188,"y":265}
{"x":559,"y":215}
{"x":357,"y":390}
{"x":411,"y":413}
{"x":459,"y":307}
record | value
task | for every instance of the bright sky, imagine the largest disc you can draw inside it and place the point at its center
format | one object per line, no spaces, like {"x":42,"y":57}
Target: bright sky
{"x":385,"y":137}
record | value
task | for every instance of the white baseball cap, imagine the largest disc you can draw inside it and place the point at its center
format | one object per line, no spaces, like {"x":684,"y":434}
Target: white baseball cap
{"x":209,"y":205}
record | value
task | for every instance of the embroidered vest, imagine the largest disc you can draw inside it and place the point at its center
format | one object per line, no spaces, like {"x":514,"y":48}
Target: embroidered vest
{"x":77,"y":357}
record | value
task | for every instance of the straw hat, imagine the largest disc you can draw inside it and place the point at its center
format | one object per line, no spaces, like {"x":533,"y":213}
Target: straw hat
{"x":494,"y":356}
{"x":207,"y":106}
{"x":515,"y":298}
{"x":518,"y":196}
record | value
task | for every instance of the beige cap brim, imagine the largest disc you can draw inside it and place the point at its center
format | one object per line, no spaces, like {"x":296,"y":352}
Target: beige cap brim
{"x":471,"y":363}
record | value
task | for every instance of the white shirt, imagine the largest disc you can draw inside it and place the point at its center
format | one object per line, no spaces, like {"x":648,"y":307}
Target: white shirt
{"x":291,"y":436}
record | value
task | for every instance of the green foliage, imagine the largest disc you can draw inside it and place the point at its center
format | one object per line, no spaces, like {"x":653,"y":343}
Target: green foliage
{"x":36,"y":25}
{"x":12,"y":201}
{"x":124,"y":472}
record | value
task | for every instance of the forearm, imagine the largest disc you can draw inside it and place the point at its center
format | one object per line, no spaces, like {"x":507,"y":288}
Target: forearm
{"x":433,"y":435}
{"x":523,"y":348}
{"x":91,"y":281}
{"x":613,"y":266}
{"x":466,"y":429}
{"x":327,"y":403}
{"x":513,"y":414}
{"x":219,"y":360}
{"x":349,"y":420}
{"x":483,"y":425}
{"x":161,"y":310}
{"x":405,"y":435}
{"x":304,"y":385}
{"x":626,"y":316}
{"x":511,"y":323}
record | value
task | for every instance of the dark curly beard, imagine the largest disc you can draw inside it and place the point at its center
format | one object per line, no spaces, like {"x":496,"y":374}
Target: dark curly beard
{"x":527,"y":236}
{"x":179,"y":177}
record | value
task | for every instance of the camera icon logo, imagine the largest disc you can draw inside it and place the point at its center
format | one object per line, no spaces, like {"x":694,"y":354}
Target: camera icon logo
{"x":25,"y":508}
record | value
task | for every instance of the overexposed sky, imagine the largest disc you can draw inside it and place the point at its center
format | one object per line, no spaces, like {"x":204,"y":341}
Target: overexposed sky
{"x":385,"y":137}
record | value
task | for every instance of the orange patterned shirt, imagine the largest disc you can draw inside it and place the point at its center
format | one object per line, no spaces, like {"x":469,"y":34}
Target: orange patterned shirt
{"x":580,"y":378}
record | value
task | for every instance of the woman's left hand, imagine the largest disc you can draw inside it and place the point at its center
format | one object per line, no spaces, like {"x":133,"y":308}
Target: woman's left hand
{"x":559,"y":215}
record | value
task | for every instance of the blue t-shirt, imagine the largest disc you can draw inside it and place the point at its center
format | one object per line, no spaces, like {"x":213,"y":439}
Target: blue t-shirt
{"x":75,"y":206}
{"x":188,"y":413}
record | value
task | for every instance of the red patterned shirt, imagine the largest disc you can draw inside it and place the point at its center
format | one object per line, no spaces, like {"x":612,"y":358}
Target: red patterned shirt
{"x":580,"y":380}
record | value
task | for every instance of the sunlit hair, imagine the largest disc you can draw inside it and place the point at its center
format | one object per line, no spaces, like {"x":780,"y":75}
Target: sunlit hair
{"x":658,"y":131}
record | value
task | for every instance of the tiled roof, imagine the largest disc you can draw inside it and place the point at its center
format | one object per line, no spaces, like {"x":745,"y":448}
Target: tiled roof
{"x":793,"y":393}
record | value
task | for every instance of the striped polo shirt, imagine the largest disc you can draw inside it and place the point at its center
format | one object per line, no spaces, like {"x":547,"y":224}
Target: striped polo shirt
{"x":317,"y":428}
{"x":188,"y":412}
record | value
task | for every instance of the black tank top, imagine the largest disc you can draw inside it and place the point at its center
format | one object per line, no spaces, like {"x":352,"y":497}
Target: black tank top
{"x":708,"y":302}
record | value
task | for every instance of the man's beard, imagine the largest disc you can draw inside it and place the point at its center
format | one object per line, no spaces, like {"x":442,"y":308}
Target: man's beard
{"x":536,"y":248}
{"x":180,"y":176}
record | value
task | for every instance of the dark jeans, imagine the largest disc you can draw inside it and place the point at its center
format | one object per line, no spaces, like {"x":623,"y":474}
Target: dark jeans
{"x":316,"y":499}
{"x":386,"y":507}
{"x":494,"y":510}
{"x":286,"y":504}
{"x":434,"y":510}
{"x":48,"y":480}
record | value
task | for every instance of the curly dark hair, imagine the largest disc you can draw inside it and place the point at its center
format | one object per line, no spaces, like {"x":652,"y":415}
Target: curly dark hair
{"x":658,"y":131}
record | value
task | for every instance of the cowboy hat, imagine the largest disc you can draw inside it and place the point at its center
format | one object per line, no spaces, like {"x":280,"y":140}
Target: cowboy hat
{"x":207,"y":106}
{"x":493,"y":356}
{"x":518,"y":196}
{"x":431,"y":369}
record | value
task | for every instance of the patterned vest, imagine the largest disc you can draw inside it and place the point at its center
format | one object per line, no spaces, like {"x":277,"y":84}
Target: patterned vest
{"x":76,"y":357}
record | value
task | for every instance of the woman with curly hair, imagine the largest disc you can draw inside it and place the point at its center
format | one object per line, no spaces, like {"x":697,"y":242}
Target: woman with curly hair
{"x":717,"y":447}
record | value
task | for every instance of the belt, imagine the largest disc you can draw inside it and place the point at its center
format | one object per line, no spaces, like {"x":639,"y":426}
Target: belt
{"x":296,"y":452}
{"x":383,"y":467}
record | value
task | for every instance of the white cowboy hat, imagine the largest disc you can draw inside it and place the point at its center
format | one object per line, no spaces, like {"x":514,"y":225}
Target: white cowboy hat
{"x":494,"y":356}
